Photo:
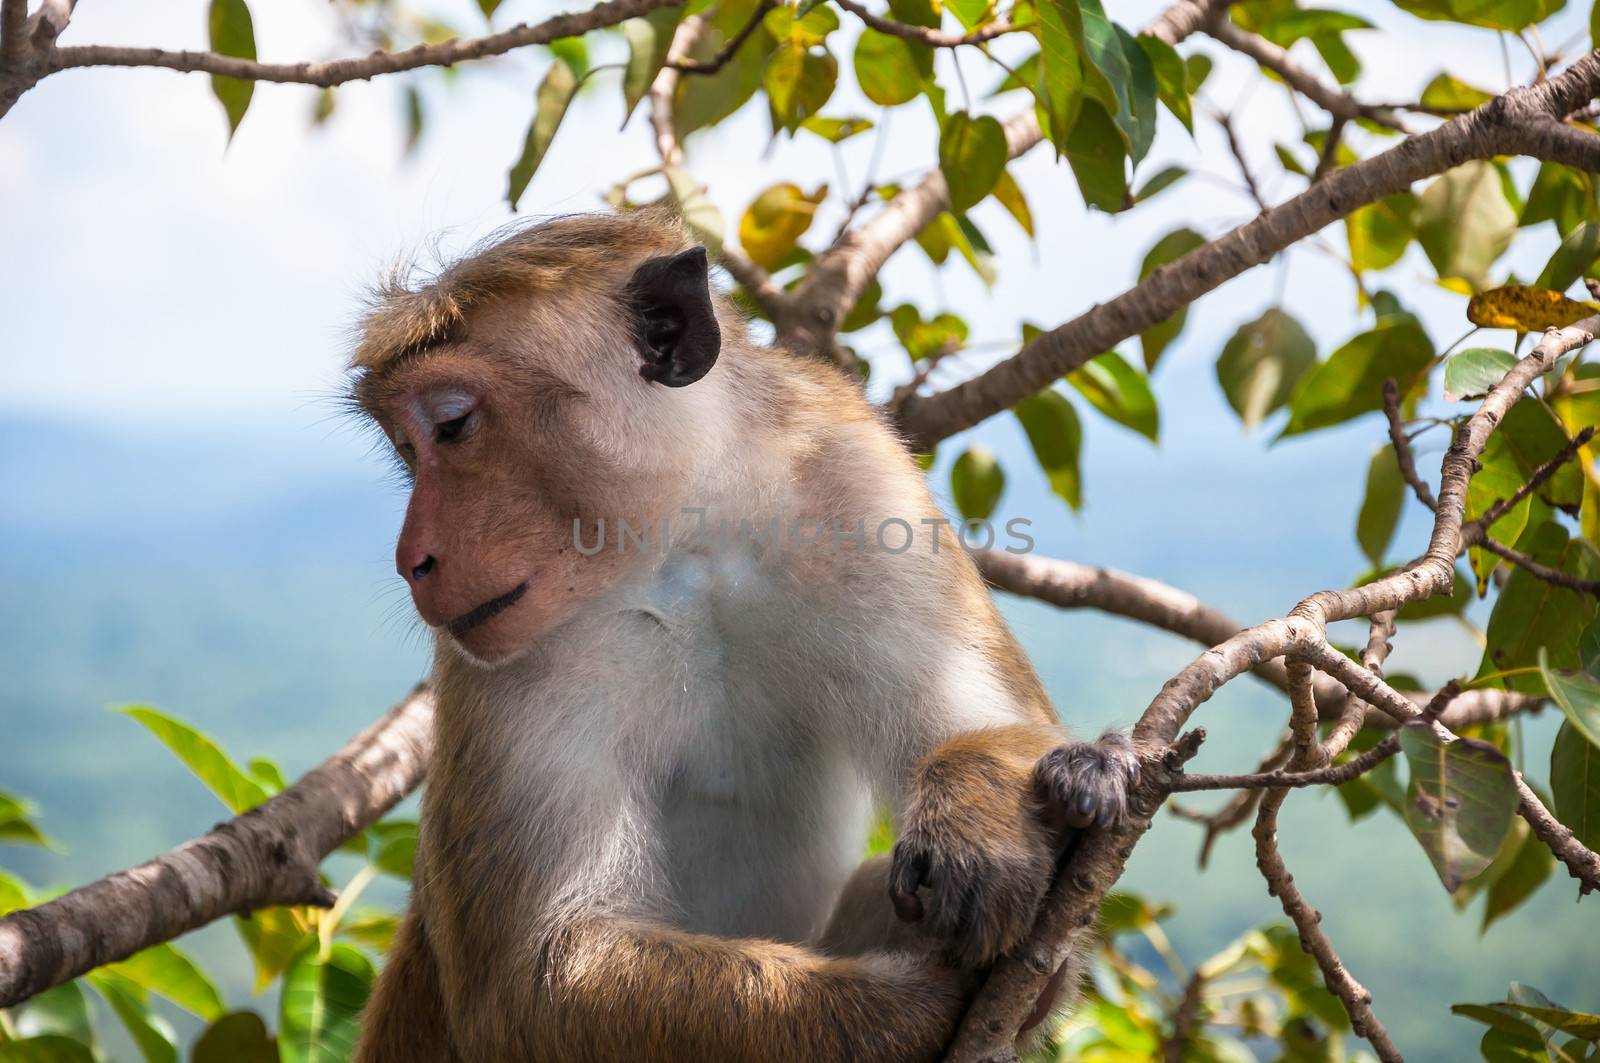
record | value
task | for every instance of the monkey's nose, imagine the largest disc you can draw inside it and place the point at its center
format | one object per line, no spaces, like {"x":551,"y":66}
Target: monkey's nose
{"x":413,"y":566}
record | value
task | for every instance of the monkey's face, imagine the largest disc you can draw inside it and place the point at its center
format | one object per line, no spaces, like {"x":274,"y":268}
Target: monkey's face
{"x":499,"y":471}
{"x":538,"y":421}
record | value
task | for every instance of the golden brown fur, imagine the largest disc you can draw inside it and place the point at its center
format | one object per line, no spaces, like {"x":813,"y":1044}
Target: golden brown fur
{"x":651,"y":767}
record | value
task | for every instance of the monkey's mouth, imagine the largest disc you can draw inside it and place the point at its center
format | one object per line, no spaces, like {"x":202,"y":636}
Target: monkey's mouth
{"x":490,"y":609}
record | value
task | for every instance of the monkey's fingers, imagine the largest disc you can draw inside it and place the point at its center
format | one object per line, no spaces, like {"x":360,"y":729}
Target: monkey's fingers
{"x":908,"y":871}
{"x":1085,"y":784}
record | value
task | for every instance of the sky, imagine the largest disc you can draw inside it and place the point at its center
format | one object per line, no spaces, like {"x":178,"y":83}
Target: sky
{"x":176,"y":308}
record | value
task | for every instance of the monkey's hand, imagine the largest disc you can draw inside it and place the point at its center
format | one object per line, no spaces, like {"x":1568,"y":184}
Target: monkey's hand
{"x":985,"y":825}
{"x":1084,"y":784}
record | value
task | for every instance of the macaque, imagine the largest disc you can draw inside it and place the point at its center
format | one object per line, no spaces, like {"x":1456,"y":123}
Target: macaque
{"x":697,"y":621}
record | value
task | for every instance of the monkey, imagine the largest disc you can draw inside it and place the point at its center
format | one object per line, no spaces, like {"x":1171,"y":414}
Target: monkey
{"x":657,"y":756}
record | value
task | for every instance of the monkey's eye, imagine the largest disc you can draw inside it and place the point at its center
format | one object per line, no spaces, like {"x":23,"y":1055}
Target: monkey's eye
{"x":453,"y":430}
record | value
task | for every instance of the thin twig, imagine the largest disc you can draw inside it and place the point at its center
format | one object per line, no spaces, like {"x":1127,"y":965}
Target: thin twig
{"x":728,"y":50}
{"x":360,"y":68}
{"x":1402,"y":446}
{"x":933,"y":38}
{"x":1540,"y":475}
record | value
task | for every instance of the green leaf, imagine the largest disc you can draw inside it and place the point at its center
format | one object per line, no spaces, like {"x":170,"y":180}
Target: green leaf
{"x":1056,"y":435}
{"x":1449,"y":94}
{"x":1471,"y":373}
{"x":972,"y":154}
{"x":151,"y":1034}
{"x":1578,"y":694}
{"x":1560,"y":194}
{"x":1171,"y":247}
{"x":13,"y":893}
{"x":61,"y":1010}
{"x":1095,"y":151}
{"x":1535,"y":436}
{"x":1492,"y":14}
{"x":1122,"y":79}
{"x":273,"y":938}
{"x":1379,"y":232}
{"x":836,"y":130}
{"x":976,"y":483}
{"x":889,"y":69}
{"x":1581,"y":1025}
{"x":775,"y":220}
{"x":1575,"y":781}
{"x":1575,"y":256}
{"x":1350,"y":382}
{"x":1464,"y":222}
{"x":50,"y":1048}
{"x":1197,"y":68}
{"x":319,"y":1015}
{"x":1380,"y":508}
{"x":1531,"y":614}
{"x":16,"y":823}
{"x":649,"y":39}
{"x":1589,"y":649}
{"x":1262,"y":364}
{"x":705,"y":100}
{"x":268,"y":774}
{"x":236,"y":789}
{"x":165,"y":970}
{"x":699,"y":214}
{"x":555,"y":94}
{"x":1009,"y":195}
{"x":1528,"y":864}
{"x":799,"y":81}
{"x":1119,"y":391}
{"x":970,"y":13}
{"x":240,"y":1037}
{"x":232,"y":33}
{"x":1172,"y":83}
{"x":395,"y":847}
{"x":940,"y":335}
{"x":1059,"y":84}
{"x":1497,"y":477}
{"x":488,"y":7}
{"x":1159,"y":182}
{"x":1460,"y":802}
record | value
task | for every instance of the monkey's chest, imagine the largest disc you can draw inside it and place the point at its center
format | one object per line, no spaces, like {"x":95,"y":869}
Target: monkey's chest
{"x":761,"y":809}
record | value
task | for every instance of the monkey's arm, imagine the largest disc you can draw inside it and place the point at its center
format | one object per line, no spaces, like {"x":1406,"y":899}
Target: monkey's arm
{"x":987,"y":815}
{"x":404,"y":1022}
{"x":614,"y":989}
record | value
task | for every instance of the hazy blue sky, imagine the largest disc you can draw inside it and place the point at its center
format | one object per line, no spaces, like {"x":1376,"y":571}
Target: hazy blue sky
{"x":186,"y":520}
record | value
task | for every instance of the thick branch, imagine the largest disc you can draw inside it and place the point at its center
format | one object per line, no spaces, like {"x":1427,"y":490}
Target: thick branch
{"x":1070,"y":585}
{"x":360,"y":68}
{"x":266,"y":856}
{"x":1520,"y":121}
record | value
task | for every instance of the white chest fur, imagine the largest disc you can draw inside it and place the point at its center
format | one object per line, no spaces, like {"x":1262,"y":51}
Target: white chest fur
{"x":701,"y":778}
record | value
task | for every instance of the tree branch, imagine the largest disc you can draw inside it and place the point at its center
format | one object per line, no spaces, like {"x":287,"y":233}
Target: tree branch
{"x":1339,"y":104}
{"x":264,"y":857}
{"x":838,"y":276}
{"x":360,"y":68}
{"x":729,"y":50}
{"x":1520,"y":121}
{"x":663,"y":122}
{"x":1070,"y":585}
{"x":933,"y":38}
{"x":1402,"y":446}
{"x":1540,"y":475}
{"x":988,"y":1030}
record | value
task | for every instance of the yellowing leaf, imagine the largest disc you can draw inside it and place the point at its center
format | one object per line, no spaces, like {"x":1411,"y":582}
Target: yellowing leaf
{"x":1526,"y":309}
{"x":775,"y":220}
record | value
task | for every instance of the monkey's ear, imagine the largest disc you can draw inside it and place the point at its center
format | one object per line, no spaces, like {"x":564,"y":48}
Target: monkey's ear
{"x":670,"y":298}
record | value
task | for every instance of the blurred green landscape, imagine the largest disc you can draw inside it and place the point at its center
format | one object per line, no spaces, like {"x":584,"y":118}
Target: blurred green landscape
{"x":241,"y":580}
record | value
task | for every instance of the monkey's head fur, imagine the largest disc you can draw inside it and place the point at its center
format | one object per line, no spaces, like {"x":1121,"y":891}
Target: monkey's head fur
{"x":557,"y":376}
